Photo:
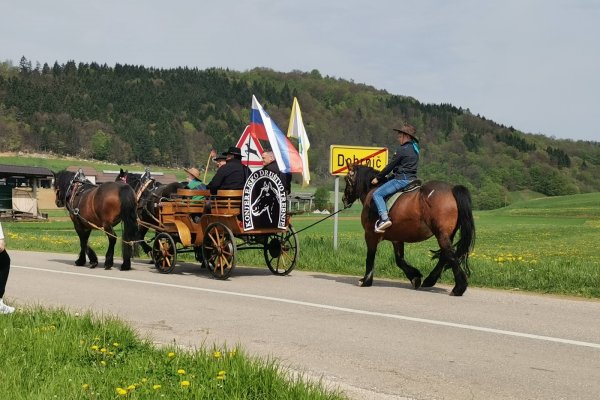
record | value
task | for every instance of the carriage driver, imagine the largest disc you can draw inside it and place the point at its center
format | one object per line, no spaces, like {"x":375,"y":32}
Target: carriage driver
{"x":232,"y":175}
{"x":403,"y":167}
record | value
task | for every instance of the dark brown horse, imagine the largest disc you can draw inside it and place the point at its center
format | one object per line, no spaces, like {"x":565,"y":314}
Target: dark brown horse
{"x":98,"y":207}
{"x":148,"y":193}
{"x":436,"y":208}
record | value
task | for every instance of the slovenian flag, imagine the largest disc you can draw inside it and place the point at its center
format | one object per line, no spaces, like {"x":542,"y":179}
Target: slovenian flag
{"x":262,"y":127}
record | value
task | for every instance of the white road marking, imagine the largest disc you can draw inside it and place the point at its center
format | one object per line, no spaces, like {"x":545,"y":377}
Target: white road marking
{"x":334,"y":308}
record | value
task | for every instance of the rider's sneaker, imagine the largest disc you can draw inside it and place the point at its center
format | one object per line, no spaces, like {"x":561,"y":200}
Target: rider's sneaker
{"x":381,"y":226}
{"x":4,"y":309}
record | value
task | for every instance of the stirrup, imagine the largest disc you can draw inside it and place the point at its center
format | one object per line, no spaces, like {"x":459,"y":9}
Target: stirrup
{"x":380,"y":226}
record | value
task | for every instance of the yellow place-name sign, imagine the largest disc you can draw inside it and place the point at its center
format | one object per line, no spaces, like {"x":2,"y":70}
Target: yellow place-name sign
{"x":341,"y":156}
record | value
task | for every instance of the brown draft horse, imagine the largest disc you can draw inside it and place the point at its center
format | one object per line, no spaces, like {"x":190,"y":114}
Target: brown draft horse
{"x":437,"y":208}
{"x":98,"y":207}
{"x":148,"y":193}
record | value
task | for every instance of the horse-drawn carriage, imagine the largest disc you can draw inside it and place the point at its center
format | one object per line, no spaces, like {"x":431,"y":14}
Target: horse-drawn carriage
{"x":215,"y":227}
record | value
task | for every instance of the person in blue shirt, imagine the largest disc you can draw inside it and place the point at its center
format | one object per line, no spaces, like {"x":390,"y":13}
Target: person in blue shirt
{"x":403,"y":168}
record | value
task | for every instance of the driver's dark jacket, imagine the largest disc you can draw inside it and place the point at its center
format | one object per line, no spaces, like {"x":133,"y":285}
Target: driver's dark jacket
{"x":231,"y":176}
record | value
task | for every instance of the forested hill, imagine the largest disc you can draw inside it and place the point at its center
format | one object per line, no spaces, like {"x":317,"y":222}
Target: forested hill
{"x":173,"y":117}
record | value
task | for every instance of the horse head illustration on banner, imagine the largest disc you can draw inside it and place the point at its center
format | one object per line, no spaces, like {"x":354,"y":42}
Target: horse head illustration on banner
{"x":264,"y":202}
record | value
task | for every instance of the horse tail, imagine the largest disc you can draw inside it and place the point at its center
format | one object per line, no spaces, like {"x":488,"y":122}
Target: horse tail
{"x":466,"y":224}
{"x":129,"y":219}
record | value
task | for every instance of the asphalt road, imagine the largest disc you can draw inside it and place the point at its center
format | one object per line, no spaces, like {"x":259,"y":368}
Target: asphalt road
{"x":383,"y":342}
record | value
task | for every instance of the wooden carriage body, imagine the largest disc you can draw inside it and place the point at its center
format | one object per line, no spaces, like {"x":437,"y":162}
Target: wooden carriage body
{"x":211,"y":227}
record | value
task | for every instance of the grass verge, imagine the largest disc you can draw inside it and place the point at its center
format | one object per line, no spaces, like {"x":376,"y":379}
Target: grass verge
{"x":52,"y":354}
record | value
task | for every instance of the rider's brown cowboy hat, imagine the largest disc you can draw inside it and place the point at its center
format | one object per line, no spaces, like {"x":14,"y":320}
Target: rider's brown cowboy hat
{"x":194,"y":172}
{"x":233,"y":151}
{"x":409,"y":130}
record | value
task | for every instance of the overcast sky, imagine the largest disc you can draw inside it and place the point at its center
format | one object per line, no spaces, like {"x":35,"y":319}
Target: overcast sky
{"x":530,"y":64}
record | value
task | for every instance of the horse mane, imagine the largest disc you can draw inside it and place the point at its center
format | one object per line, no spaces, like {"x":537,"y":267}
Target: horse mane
{"x":364,"y":176}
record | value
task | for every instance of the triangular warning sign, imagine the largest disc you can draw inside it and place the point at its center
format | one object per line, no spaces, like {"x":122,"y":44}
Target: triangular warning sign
{"x":251,"y":150}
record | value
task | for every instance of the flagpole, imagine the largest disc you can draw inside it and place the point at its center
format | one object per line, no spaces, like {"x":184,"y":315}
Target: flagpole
{"x":210,"y":156}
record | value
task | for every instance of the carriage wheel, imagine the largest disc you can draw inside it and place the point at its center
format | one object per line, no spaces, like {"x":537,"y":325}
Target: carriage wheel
{"x":164,"y":253}
{"x":218,"y":250}
{"x":281,"y":252}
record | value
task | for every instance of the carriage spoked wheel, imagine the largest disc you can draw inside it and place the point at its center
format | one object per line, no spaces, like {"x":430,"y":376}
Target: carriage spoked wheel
{"x":281,"y":252}
{"x":218,"y":250}
{"x":164,"y":253}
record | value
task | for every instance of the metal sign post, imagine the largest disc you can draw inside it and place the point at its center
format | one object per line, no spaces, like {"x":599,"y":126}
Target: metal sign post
{"x":336,"y":207}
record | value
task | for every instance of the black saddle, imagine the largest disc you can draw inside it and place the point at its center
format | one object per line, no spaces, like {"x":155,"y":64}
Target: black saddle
{"x":411,"y":186}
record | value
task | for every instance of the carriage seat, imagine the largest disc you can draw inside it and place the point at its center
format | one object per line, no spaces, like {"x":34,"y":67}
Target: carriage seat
{"x":189,"y":201}
{"x":227,"y":202}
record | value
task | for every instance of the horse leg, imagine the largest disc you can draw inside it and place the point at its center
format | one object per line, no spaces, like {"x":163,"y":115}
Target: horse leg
{"x":460,"y":277}
{"x":444,"y":256}
{"x":413,"y":274}
{"x":145,"y":247}
{"x":110,"y":252}
{"x":127,"y":252}
{"x":435,"y":274}
{"x":84,"y":235}
{"x":372,"y":242}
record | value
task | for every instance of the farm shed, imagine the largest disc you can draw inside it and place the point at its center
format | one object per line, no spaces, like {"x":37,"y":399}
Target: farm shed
{"x":18,"y":189}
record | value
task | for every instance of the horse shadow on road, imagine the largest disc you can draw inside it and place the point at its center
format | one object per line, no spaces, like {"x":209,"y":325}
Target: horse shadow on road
{"x":353,"y":280}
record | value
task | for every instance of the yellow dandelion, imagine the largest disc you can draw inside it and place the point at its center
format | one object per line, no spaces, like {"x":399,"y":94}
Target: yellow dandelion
{"x":121,"y":392}
{"x":221,"y":377}
{"x":217,"y":354}
{"x":116,"y":344}
{"x":181,"y":371}
{"x":171,"y":354}
{"x":185,"y":383}
{"x":94,"y":347}
{"x":221,"y":373}
{"x":103,"y":363}
{"x":144,"y":380}
{"x":232,"y":353}
{"x":85,"y":386}
{"x":131,"y":387}
{"x":103,"y":350}
{"x":156,"y":387}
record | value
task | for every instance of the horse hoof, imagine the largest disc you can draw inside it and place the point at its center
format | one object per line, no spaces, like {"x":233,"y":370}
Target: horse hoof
{"x":452,"y":293}
{"x":427,"y":283}
{"x":93,"y":265}
{"x":362,"y":283}
{"x":79,"y":263}
{"x":107,"y":266}
{"x":416,"y":282}
{"x":125,"y":268}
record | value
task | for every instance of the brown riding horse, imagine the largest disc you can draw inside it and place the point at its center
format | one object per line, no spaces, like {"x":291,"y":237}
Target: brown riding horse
{"x":98,"y":207}
{"x":436,"y":208}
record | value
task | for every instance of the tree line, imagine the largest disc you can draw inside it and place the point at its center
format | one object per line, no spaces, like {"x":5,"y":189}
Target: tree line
{"x":174,"y":117}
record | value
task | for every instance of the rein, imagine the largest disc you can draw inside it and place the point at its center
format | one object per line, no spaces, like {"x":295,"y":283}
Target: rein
{"x":321,"y":220}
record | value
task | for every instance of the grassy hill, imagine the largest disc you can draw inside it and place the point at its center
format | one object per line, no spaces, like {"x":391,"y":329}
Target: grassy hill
{"x":172,"y":118}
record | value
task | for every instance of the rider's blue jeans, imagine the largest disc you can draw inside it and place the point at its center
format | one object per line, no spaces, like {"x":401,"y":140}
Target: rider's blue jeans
{"x":384,"y":191}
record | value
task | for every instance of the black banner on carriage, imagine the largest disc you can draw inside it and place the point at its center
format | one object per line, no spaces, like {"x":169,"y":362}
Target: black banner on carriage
{"x":264,"y":203}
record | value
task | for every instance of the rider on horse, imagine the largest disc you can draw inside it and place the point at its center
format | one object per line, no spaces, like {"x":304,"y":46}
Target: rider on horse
{"x":403,"y":165}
